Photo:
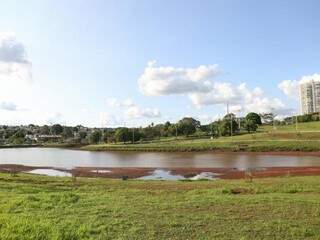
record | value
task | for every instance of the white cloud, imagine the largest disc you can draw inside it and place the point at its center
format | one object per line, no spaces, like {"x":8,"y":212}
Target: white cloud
{"x":315,"y":77}
{"x":55,"y":118}
{"x":136,"y":112}
{"x":110,"y":120}
{"x":15,"y":71}
{"x":206,"y":119}
{"x":113,"y":102}
{"x":9,"y":106}
{"x":291,"y":87}
{"x":223,"y":93}
{"x":158,"y":81}
{"x":11,"y":50}
{"x":241,"y":99}
{"x":14,"y":63}
{"x":131,"y":110}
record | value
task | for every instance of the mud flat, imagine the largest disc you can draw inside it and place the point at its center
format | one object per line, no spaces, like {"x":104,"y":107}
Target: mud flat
{"x":164,"y":173}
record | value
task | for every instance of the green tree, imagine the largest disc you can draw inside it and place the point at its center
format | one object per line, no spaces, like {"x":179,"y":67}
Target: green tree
{"x":250,"y":125}
{"x":82,"y":134}
{"x":122,"y":135}
{"x":67,"y":132}
{"x":188,"y":126}
{"x":228,"y":126}
{"x":256,"y":118}
{"x":56,"y":129}
{"x":95,"y":137}
{"x":20,"y":134}
{"x":45,"y":130}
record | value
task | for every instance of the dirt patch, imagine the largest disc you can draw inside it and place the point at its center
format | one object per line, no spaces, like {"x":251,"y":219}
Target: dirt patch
{"x":133,"y":173}
{"x":241,"y":191}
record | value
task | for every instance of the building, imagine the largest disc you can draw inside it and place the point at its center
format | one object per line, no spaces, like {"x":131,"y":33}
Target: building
{"x":310,"y":97}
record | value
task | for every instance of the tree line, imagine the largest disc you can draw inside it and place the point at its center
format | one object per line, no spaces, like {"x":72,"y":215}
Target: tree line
{"x":229,"y":125}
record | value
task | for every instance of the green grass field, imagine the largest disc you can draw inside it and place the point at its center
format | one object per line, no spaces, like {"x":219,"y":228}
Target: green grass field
{"x":34,"y":207}
{"x":283,"y":138}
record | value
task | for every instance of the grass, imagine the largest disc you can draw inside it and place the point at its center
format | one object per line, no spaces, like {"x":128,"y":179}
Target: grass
{"x":33,"y":207}
{"x":283,"y":138}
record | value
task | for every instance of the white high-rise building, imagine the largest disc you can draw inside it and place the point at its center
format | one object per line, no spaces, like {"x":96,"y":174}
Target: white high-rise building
{"x":310,"y":97}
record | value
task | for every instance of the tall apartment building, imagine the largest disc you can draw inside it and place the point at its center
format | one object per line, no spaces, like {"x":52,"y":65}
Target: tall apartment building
{"x":310,"y":97}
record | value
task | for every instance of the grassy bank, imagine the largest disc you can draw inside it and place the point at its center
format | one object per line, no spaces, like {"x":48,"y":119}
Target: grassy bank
{"x":213,"y":145}
{"x":20,"y":146}
{"x":283,"y":138}
{"x":56,"y":208}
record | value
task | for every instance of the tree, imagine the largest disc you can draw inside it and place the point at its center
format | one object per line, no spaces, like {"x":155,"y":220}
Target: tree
{"x":122,"y":135}
{"x":56,"y":129}
{"x":82,"y":134}
{"x":19,"y":134}
{"x":95,"y":137}
{"x":134,"y":135}
{"x":256,"y":118}
{"x":67,"y":132}
{"x":250,"y":125}
{"x":45,"y":130}
{"x":228,"y":126}
{"x":188,"y":126}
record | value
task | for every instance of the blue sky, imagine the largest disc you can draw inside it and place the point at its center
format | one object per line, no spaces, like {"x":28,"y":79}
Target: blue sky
{"x":84,"y":53}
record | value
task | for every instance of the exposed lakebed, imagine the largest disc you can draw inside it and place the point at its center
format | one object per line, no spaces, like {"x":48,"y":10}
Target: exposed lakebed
{"x":147,"y":166}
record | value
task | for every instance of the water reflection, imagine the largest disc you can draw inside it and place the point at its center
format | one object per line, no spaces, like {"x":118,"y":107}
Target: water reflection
{"x":68,"y":159}
{"x":50,"y":172}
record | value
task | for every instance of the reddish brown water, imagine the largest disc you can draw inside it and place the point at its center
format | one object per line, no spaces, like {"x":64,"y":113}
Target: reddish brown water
{"x":68,"y":159}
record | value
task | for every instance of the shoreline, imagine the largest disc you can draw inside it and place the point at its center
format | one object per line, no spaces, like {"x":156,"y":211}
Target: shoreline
{"x":187,"y":172}
{"x":315,"y":153}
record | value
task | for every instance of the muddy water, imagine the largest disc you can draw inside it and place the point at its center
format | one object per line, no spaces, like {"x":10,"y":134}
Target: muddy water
{"x":68,"y":159}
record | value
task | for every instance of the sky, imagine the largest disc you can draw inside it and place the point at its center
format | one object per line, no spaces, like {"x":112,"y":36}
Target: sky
{"x":104,"y":63}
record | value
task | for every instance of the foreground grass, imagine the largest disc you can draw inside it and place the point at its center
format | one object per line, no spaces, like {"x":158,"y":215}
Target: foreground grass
{"x":56,"y":208}
{"x":283,"y":138}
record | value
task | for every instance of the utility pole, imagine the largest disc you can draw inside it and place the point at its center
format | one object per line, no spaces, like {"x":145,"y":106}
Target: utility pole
{"x":231,"y":124}
{"x":230,"y":119}
{"x":296,"y":123}
{"x":176,"y":131}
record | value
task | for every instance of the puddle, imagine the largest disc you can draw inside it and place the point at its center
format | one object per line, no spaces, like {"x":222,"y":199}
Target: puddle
{"x":50,"y":172}
{"x":162,"y":175}
{"x":205,"y":175}
{"x":101,"y":171}
{"x":167,"y":175}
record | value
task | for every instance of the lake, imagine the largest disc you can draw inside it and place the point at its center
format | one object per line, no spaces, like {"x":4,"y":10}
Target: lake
{"x":69,"y":159}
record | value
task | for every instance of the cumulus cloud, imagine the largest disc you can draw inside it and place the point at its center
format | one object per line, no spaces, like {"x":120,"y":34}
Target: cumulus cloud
{"x":221,"y":93}
{"x":110,"y":120}
{"x":159,"y":81}
{"x":113,"y":102}
{"x":9,"y":106}
{"x":291,"y":87}
{"x":131,"y":110}
{"x":137,"y":112}
{"x":240,"y":98}
{"x":55,"y":118}
{"x":14,"y":63}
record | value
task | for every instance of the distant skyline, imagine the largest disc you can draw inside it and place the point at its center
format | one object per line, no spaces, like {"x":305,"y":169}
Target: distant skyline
{"x":110,"y":63}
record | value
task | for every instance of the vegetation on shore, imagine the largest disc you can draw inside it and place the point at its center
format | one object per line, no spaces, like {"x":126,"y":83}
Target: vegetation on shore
{"x":38,"y":207}
{"x":267,"y":139}
{"x":227,"y":134}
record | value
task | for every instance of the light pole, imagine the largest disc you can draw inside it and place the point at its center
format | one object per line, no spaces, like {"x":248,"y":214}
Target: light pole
{"x":231,"y":127}
{"x":176,"y":130}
